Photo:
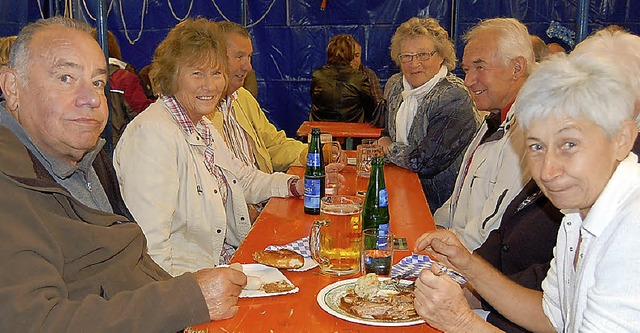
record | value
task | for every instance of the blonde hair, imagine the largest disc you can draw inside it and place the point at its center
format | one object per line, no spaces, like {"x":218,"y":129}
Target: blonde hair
{"x":341,"y":49}
{"x":5,"y":48}
{"x":427,"y":27}
{"x":540,"y":50}
{"x":192,"y":42}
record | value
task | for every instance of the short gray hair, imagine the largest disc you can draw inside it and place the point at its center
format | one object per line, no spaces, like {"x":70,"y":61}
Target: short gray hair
{"x":579,"y":88}
{"x":19,"y":55}
{"x":512,"y":37}
{"x":620,"y":47}
{"x":227,"y":27}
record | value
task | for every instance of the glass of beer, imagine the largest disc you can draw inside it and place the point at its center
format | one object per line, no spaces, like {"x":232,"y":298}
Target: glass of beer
{"x":336,"y":238}
{"x":331,"y":152}
{"x":362,"y":184}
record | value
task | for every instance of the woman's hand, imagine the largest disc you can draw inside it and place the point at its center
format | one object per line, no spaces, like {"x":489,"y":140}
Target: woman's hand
{"x":444,"y":246}
{"x":385,"y":142}
{"x":440,"y":301}
{"x":337,"y":166}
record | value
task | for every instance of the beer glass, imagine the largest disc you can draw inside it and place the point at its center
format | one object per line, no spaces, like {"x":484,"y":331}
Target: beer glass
{"x":331,"y":152}
{"x":332,"y":182}
{"x":369,"y":141}
{"x":336,"y":238}
{"x":364,"y":154}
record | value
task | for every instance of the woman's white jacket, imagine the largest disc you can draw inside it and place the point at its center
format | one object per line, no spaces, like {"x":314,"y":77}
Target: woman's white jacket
{"x":174,"y":199}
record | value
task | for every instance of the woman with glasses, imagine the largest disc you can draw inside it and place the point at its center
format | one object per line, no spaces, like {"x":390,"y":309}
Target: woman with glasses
{"x":431,"y":118}
{"x":340,"y":92}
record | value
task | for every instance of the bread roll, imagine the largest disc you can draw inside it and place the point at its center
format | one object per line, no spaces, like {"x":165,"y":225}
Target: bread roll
{"x":280,"y":259}
{"x":367,"y":286}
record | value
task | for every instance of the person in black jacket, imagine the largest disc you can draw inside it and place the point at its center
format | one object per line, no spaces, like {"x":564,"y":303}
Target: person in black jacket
{"x":340,"y":92}
{"x":522,"y":247}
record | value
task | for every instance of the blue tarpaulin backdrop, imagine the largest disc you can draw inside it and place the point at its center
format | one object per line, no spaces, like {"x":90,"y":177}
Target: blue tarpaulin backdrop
{"x":290,"y":36}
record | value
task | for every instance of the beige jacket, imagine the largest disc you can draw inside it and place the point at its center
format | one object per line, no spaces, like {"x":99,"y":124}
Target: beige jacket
{"x":169,"y":191}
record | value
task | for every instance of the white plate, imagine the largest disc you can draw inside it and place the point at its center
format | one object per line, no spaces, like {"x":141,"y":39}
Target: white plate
{"x":268,"y":275}
{"x":329,"y":300}
{"x":308,"y":264}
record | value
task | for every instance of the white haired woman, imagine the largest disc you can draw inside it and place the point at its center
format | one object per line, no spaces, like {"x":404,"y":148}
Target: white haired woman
{"x":577,"y":115}
{"x":182,"y":184}
{"x":431,"y":118}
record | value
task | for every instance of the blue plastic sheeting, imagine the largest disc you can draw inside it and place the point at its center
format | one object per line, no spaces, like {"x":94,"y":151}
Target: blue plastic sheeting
{"x":290,"y":36}
{"x":15,"y":14}
{"x":296,"y":43}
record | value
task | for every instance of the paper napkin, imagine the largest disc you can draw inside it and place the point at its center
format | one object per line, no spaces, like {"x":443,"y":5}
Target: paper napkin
{"x":416,"y":263}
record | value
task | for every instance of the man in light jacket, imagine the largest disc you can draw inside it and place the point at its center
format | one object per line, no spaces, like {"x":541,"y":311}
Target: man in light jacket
{"x":493,"y":170}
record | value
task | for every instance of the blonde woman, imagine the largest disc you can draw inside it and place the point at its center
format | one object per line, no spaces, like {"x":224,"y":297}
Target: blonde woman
{"x":184,"y":187}
{"x":431,"y":118}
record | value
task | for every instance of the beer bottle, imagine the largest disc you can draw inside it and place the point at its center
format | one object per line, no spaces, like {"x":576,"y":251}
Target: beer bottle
{"x":375,"y":213}
{"x":314,"y":175}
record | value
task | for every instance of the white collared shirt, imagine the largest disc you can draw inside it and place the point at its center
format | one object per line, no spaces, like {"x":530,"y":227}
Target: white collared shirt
{"x":602,"y":293}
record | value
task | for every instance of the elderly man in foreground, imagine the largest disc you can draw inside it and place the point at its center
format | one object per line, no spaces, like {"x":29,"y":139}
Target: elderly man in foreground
{"x":73,"y":260}
{"x":577,"y":115}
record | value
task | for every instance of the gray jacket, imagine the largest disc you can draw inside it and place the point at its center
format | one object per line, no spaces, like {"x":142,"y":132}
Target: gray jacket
{"x":441,"y":131}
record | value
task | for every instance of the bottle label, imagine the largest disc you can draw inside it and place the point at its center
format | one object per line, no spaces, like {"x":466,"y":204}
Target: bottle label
{"x":383,"y":232}
{"x":313,"y":159}
{"x":383,"y":229}
{"x":312,"y":193}
{"x":383,"y":200}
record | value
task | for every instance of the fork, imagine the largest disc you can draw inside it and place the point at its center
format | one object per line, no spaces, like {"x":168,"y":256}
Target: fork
{"x":395,"y":281}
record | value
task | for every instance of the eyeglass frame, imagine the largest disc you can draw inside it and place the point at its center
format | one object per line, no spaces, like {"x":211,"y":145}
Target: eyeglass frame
{"x":416,"y":55}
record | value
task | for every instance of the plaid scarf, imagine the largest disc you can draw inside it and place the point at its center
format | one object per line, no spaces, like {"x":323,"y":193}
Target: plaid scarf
{"x":203,"y":130}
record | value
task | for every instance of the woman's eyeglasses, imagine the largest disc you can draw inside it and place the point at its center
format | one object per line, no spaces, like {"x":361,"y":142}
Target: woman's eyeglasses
{"x":422,"y":56}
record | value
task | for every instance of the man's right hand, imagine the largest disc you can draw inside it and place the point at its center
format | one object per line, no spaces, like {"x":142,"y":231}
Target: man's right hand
{"x":445,"y":246}
{"x":220,"y":288}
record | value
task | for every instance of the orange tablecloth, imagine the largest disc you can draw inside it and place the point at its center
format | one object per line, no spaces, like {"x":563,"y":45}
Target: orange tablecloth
{"x":341,"y":130}
{"x":283,"y":221}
